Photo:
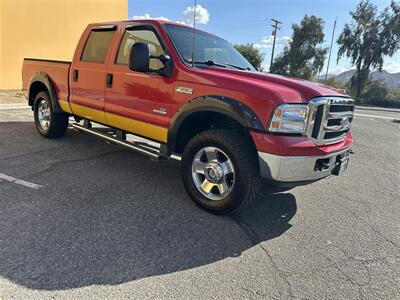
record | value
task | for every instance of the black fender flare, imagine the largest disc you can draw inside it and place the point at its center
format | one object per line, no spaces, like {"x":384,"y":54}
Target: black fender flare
{"x":44,"y":78}
{"x":220,"y":104}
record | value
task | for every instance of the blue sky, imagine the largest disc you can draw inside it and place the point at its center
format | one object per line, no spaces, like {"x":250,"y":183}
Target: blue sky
{"x":249,"y":21}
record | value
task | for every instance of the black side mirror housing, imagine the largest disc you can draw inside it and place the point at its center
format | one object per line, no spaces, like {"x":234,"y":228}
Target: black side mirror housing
{"x":139,"y":60}
{"x":139,"y":57}
{"x":168,"y":65}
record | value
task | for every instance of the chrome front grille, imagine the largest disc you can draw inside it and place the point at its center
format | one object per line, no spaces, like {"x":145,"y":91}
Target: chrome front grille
{"x":330,"y":119}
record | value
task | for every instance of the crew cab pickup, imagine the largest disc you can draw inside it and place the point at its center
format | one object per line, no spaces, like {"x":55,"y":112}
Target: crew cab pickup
{"x":190,"y":95}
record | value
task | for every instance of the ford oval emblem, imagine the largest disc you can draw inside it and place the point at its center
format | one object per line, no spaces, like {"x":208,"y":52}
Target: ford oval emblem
{"x":345,"y":122}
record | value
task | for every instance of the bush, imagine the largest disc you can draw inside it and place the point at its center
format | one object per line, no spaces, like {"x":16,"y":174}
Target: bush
{"x":388,"y":102}
{"x":393,"y":98}
{"x":377,"y":94}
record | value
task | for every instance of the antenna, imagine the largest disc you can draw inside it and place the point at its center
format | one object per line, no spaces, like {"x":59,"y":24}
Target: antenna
{"x":194,"y":28}
{"x":330,"y":50}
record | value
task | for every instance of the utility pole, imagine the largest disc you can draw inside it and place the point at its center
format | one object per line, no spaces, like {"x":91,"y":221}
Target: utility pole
{"x":274,"y":32}
{"x":330,"y":50}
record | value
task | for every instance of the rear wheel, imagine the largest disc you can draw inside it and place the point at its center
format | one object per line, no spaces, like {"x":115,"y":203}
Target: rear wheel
{"x":49,"y":124}
{"x":220,"y":171}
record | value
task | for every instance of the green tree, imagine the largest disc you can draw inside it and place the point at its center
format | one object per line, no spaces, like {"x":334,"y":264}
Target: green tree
{"x":368,"y":39}
{"x":395,"y":93}
{"x":333,"y":82}
{"x":304,"y":56}
{"x":375,"y":92}
{"x":252,"y":54}
{"x":393,"y":98}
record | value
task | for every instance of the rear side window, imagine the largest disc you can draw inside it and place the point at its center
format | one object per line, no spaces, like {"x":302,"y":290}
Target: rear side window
{"x":97,"y":45}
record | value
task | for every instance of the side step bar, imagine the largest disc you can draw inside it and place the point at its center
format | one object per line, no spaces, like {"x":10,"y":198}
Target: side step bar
{"x":141,"y":147}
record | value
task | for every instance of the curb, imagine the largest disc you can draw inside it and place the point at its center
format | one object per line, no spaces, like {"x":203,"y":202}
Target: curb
{"x":14,"y":106}
{"x":395,"y":110}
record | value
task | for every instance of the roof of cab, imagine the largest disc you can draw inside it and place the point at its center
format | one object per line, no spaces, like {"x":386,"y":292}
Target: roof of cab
{"x":149,"y":21}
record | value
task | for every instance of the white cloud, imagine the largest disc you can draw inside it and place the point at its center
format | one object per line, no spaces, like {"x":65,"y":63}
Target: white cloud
{"x":392,"y":66}
{"x":265,"y":65}
{"x":267,"y":41}
{"x":202,"y":14}
{"x":147,"y":16}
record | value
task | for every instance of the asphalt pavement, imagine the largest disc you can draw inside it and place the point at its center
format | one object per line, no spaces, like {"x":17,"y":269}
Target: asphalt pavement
{"x":100,"y":222}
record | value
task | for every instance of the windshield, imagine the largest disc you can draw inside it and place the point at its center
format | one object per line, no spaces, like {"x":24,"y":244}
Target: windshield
{"x":209,"y":49}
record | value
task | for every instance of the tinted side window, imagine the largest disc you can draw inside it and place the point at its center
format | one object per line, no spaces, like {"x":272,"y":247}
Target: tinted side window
{"x":133,"y":36}
{"x":97,"y":45}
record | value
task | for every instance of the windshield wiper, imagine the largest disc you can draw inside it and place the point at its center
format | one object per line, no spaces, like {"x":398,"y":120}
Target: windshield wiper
{"x":237,"y":67}
{"x":213,"y":63}
{"x":210,"y":63}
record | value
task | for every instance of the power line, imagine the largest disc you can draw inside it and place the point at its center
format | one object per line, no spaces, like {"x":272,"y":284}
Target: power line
{"x":274,"y":32}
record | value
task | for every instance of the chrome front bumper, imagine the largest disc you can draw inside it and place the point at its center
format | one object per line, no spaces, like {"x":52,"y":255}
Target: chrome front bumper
{"x":298,"y":168}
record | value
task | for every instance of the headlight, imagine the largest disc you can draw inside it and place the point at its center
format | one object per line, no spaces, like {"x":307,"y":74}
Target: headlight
{"x":289,"y":118}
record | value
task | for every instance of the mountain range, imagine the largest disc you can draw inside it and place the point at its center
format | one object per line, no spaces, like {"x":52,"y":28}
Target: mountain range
{"x":391,"y":80}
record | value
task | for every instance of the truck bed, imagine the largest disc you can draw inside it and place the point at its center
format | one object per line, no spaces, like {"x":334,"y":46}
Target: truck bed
{"x":58,"y":71}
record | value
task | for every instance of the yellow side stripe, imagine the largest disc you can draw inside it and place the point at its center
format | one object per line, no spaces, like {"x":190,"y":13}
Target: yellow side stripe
{"x":154,"y":132}
{"x":148,"y":130}
{"x":89,"y":113}
{"x":65,"y":106}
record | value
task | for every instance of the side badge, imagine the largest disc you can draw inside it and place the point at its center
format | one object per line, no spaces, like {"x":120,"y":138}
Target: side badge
{"x":184,"y":90}
{"x":160,"y":111}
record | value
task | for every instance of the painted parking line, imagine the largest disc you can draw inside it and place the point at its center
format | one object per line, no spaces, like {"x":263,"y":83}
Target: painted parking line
{"x":377,"y":117}
{"x":20,"y":182}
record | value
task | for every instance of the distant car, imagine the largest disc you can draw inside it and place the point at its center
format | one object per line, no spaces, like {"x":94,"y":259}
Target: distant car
{"x":232,"y":126}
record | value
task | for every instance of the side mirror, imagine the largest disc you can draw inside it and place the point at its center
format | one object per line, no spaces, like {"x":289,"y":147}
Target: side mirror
{"x":168,"y":69}
{"x":139,"y":57}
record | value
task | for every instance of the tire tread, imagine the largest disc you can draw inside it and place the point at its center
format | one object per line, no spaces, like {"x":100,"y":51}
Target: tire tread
{"x":58,"y":122}
{"x":246,"y":156}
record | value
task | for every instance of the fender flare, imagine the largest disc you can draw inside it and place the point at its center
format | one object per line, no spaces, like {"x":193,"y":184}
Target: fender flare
{"x":44,"y":78}
{"x":220,"y":104}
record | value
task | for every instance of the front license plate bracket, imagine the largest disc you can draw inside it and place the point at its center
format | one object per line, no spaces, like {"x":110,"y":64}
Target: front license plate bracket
{"x":342,"y":162}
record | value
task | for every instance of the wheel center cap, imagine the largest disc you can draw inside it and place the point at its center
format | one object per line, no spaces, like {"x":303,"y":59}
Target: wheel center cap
{"x":213,"y":172}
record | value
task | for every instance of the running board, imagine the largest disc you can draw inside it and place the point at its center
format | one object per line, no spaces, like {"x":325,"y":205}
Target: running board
{"x":147,"y":149}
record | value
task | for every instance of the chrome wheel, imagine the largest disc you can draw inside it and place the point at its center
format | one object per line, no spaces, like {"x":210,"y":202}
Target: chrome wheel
{"x":213,"y":173}
{"x":44,"y":114}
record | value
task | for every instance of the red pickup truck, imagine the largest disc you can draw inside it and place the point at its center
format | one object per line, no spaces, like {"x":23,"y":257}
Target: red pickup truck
{"x":194,"y":95}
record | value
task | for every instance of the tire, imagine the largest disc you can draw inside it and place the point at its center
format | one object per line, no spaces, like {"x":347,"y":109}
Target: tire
{"x":49,"y":124}
{"x":231,"y":178}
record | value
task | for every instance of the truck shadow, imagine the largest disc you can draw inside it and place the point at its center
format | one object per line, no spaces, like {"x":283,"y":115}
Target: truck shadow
{"x":116,"y":217}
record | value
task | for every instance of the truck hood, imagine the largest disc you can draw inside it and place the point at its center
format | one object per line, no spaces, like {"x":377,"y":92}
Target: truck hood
{"x":281,"y":88}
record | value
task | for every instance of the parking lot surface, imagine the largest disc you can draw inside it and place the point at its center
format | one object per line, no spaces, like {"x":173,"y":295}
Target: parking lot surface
{"x":102,"y":222}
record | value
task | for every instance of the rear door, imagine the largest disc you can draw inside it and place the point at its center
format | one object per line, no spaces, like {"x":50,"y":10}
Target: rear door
{"x":138,"y":102}
{"x":88,"y":73}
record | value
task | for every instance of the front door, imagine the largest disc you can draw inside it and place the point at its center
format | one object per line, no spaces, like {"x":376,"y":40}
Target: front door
{"x":87,"y":78}
{"x":138,"y":102}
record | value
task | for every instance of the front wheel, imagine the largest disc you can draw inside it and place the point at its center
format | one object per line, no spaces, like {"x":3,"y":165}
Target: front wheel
{"x":220,"y":171}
